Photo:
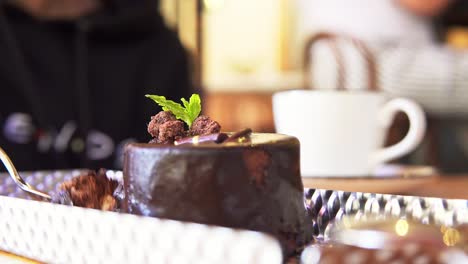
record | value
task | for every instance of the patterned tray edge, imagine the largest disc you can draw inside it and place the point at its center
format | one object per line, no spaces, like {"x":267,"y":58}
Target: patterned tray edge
{"x":325,"y":206}
{"x":63,"y":234}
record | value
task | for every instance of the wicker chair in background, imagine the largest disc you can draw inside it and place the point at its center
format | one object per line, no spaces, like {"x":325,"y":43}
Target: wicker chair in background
{"x":401,"y":124}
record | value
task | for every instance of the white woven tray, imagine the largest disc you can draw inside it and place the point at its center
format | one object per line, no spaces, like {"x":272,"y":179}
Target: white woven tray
{"x":54,"y":233}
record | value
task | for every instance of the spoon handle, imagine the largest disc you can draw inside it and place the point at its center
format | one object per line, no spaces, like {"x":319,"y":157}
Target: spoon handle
{"x":17,"y":178}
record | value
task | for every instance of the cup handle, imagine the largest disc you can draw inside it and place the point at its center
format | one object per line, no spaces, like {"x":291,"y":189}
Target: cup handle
{"x":417,"y":129}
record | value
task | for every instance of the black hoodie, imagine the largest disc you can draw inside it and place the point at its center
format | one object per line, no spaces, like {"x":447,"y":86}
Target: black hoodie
{"x":72,"y":93}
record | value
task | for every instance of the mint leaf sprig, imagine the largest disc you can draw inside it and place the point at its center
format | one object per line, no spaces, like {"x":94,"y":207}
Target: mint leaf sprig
{"x":187,"y":113}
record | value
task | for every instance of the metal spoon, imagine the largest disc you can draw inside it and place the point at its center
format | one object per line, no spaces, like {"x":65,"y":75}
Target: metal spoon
{"x":17,"y":178}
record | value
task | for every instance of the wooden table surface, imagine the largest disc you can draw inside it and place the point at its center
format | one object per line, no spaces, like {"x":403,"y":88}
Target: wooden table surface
{"x":9,"y":258}
{"x":441,"y":186}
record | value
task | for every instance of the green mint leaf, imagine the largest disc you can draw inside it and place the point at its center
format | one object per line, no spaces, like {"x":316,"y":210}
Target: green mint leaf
{"x":187,"y":113}
{"x":169,"y":105}
{"x":185,"y":102}
{"x":193,"y":107}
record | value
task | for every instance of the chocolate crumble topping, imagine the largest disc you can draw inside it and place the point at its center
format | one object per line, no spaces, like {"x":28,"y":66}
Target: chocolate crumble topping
{"x":157,"y":120}
{"x":171,"y":131}
{"x":203,"y":125}
{"x":166,"y":129}
{"x":91,"y":190}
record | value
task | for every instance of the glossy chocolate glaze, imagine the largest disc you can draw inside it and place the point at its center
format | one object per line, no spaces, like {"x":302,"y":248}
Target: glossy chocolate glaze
{"x":254,"y":185}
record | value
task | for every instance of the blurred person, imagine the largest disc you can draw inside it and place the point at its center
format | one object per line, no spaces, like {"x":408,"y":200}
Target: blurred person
{"x":73,"y":75}
{"x":401,"y":35}
{"x":409,"y":59}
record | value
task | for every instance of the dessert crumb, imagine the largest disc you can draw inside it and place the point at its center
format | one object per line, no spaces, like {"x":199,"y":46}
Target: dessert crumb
{"x":91,"y":190}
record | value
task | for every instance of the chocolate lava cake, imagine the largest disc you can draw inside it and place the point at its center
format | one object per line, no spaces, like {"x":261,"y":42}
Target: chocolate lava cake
{"x":254,"y":185}
{"x":239,"y":180}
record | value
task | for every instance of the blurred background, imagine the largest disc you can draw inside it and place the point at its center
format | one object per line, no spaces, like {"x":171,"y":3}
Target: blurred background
{"x":108,"y":54}
{"x":244,"y":51}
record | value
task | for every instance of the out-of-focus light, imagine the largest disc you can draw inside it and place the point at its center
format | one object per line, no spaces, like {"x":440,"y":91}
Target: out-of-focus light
{"x":443,"y":229}
{"x":77,"y":145}
{"x":212,"y":5}
{"x":451,"y":237}
{"x":311,"y":255}
{"x":401,"y":227}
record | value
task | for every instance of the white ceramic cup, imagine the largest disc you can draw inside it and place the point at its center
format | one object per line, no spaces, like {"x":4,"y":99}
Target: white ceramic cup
{"x":342,"y":132}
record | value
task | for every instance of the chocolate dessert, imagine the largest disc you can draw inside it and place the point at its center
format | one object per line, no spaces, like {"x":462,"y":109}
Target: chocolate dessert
{"x":240,"y":180}
{"x":90,"y":190}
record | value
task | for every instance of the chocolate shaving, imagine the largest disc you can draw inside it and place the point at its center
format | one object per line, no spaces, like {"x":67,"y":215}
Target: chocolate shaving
{"x":218,"y":138}
{"x":238,"y":136}
{"x":195,"y":140}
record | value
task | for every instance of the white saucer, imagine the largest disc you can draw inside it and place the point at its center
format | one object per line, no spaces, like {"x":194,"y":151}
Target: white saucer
{"x":387,"y":171}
